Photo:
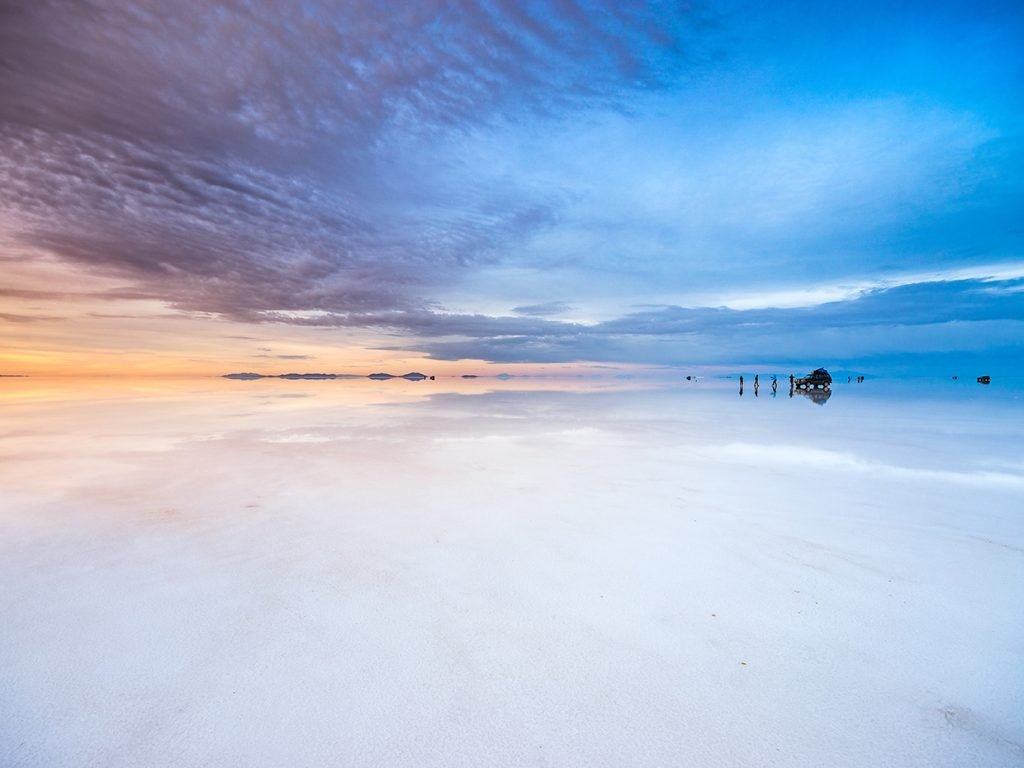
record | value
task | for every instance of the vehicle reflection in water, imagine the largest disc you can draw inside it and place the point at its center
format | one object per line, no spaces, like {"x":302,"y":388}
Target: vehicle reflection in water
{"x":817,"y":396}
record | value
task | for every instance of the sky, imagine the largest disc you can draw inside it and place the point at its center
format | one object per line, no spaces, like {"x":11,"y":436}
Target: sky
{"x":319,"y":185}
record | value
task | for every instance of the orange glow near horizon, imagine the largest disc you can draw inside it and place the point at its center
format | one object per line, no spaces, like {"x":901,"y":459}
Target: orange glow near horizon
{"x":57,"y":320}
{"x":60,"y":320}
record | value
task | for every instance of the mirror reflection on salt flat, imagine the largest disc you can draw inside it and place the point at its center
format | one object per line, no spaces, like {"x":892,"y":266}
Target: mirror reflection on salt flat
{"x":517,"y":573}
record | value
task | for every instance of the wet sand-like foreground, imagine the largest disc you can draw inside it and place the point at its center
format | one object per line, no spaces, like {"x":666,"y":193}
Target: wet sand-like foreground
{"x":270,"y":573}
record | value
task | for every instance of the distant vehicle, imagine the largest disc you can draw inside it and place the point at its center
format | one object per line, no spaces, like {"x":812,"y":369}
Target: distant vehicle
{"x":984,"y":379}
{"x":819,"y":379}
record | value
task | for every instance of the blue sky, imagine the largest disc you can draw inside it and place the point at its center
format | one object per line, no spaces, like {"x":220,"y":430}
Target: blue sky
{"x":655,"y":183}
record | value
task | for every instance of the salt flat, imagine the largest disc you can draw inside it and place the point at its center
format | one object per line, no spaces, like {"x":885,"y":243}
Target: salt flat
{"x":271,"y":573}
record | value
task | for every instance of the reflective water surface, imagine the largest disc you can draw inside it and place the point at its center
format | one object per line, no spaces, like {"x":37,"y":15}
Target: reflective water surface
{"x":212,"y":572}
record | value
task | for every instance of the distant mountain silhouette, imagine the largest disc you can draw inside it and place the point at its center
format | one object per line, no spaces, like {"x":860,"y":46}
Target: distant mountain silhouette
{"x":293,"y":376}
{"x":411,"y":376}
{"x":248,"y":376}
{"x":308,"y":376}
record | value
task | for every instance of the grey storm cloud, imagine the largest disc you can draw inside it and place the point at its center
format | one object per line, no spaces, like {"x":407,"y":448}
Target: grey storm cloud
{"x":257,"y":160}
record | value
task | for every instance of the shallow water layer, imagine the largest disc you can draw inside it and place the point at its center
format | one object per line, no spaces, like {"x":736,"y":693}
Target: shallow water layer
{"x":524,"y":573}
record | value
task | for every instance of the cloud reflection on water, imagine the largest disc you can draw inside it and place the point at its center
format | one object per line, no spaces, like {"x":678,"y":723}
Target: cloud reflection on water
{"x":400,"y":568}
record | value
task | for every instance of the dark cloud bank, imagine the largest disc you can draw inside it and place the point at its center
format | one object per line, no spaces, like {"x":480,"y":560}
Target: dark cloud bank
{"x":879,"y":323}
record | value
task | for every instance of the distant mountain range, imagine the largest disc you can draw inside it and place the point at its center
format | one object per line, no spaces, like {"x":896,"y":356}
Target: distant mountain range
{"x":247,"y":376}
{"x":411,"y":376}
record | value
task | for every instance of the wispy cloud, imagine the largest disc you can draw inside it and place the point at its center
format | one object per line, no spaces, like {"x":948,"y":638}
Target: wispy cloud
{"x":827,"y":293}
{"x":18,"y":318}
{"x":241,"y":162}
{"x":543,"y":310}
